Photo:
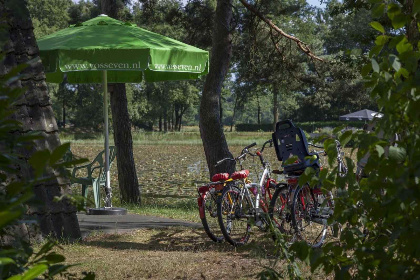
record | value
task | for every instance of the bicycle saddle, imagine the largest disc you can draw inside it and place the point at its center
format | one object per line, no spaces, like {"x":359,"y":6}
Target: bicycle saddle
{"x":240,"y":174}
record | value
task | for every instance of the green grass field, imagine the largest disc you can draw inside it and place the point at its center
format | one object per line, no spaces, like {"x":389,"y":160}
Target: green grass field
{"x":170,"y":166}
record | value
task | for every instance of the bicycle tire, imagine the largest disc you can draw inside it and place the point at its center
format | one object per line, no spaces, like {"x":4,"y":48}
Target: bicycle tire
{"x":306,"y":221}
{"x":280,"y":212}
{"x":234,"y":216}
{"x":209,"y":216}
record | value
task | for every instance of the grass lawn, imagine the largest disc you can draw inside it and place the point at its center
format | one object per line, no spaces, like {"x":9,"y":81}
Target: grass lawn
{"x":168,"y":174}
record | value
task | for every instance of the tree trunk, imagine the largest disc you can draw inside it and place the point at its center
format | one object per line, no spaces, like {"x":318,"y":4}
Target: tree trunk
{"x":258,"y":109}
{"x":413,"y":34}
{"x":221,"y":109}
{"x":275,"y":106}
{"x":160,"y":122}
{"x":34,"y":111}
{"x":214,"y":141}
{"x":165,"y":120}
{"x":127,"y":174}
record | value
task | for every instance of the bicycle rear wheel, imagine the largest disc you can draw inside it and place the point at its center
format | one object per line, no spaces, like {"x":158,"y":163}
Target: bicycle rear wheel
{"x":309,"y":223}
{"x":280,"y":212}
{"x":208,"y":215}
{"x":234,"y":215}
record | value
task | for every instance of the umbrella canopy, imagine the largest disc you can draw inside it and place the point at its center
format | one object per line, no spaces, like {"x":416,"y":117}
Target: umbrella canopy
{"x":363,"y":115}
{"x":103,"y":50}
{"x":124,"y":50}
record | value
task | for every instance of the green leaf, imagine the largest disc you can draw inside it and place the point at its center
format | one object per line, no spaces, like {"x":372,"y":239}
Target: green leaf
{"x":404,"y":46}
{"x":380,"y":150}
{"x":375,"y":66}
{"x":290,"y":160}
{"x":381,"y":40}
{"x":377,"y":26}
{"x":393,"y":10}
{"x":395,"y":62}
{"x":34,"y":272}
{"x":55,"y":258}
{"x":6,"y":261}
{"x":45,"y":248}
{"x":58,"y":268}
{"x":59,"y":152}
{"x":378,"y":10}
{"x":399,"y":21}
{"x":397,"y":153}
{"x":39,"y":161}
{"x":15,"y":277}
{"x":301,"y":249}
{"x":366,"y":69}
{"x":346,"y":137}
{"x":402,"y":72}
{"x":8,"y":216}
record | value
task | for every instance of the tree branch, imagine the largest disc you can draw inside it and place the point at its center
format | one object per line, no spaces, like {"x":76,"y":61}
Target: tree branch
{"x":304,"y":47}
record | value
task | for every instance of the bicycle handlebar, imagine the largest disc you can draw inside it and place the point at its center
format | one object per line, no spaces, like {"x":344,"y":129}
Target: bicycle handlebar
{"x":243,"y":154}
{"x":250,"y":146}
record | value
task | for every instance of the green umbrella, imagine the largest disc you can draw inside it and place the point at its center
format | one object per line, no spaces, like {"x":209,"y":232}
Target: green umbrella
{"x":103,"y":50}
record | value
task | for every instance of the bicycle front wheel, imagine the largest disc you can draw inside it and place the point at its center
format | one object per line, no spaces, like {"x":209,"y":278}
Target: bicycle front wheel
{"x":280,"y":213}
{"x":309,"y":224}
{"x":208,"y":215}
{"x":234,"y":215}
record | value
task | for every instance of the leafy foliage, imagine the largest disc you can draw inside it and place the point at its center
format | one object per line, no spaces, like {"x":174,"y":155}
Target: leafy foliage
{"x":18,"y":260}
{"x":380,"y":212}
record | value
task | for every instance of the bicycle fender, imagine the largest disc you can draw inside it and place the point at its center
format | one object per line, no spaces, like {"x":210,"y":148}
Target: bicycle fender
{"x":200,"y":206}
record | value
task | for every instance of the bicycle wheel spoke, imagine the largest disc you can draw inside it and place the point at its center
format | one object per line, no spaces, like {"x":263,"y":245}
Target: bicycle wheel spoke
{"x":305,"y":223}
{"x":232,"y":216}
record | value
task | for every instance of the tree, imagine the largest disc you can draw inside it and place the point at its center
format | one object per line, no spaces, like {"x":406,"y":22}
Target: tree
{"x":214,"y":141}
{"x":18,"y":46}
{"x":48,"y":16}
{"x":127,"y":173}
{"x":380,"y":211}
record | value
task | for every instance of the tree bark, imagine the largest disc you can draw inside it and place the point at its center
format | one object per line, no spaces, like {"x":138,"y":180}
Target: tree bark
{"x":214,"y":141}
{"x":127,"y":175}
{"x":34,"y":111}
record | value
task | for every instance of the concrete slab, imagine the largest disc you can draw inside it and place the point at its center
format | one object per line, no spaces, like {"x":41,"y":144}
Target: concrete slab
{"x":126,"y":223}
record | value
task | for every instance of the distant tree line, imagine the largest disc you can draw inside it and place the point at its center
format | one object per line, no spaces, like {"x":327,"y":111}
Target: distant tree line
{"x":268,"y":78}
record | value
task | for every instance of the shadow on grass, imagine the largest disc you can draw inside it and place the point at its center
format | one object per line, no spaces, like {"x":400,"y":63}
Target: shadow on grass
{"x":180,"y":240}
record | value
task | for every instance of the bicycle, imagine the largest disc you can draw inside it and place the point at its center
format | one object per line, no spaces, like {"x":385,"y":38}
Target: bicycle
{"x":301,"y":212}
{"x":207,"y":205}
{"x":244,"y":203}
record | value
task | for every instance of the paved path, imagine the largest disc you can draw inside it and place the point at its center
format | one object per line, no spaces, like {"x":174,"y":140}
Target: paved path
{"x":126,"y":223}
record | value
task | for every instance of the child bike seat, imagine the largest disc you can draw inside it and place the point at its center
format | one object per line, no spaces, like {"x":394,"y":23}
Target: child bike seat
{"x":290,"y":141}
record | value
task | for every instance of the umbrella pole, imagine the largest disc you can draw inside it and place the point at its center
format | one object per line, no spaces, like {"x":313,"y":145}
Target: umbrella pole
{"x":108,"y":202}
